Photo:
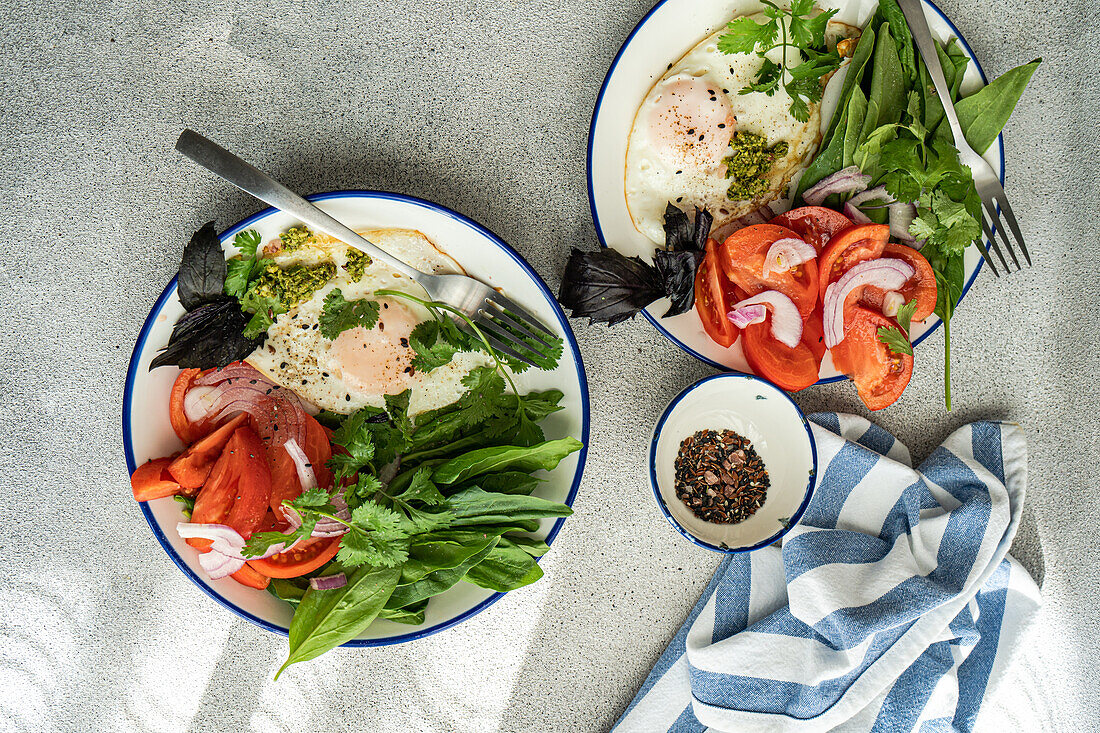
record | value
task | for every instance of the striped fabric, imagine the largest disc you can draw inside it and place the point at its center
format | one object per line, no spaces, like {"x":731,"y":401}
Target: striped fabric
{"x":892,"y":606}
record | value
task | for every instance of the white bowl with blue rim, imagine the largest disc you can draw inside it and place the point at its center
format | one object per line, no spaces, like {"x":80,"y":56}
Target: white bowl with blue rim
{"x":780,"y":434}
{"x":147,"y":432}
{"x":668,"y":31}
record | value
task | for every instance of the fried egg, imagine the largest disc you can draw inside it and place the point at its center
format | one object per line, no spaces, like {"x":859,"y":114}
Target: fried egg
{"x":682,"y":132}
{"x":361,"y":366}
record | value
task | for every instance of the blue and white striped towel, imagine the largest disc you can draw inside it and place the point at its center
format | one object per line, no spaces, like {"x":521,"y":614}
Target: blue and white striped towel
{"x":892,"y":606}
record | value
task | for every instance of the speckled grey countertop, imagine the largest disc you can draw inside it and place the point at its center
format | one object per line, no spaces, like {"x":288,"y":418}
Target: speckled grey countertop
{"x":484,"y":107}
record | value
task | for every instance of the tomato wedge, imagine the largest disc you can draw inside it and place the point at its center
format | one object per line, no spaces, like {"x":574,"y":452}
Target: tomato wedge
{"x":813,"y":334}
{"x":790,"y":369}
{"x":712,"y":298}
{"x":247,"y":575}
{"x":879,"y":374}
{"x":742,"y":258}
{"x":238,"y":490}
{"x":815,"y":224}
{"x":852,"y":246}
{"x":152,"y":481}
{"x":187,"y":431}
{"x":285,"y":483}
{"x":921,"y":287}
{"x":305,"y":557}
{"x":193,"y":467}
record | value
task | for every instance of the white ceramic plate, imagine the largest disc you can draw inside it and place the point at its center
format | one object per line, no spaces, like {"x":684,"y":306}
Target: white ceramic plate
{"x":778,"y":431}
{"x":665,"y":34}
{"x":147,"y":432}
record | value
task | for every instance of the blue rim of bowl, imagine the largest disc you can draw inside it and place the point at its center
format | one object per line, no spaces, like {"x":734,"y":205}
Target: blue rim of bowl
{"x":810,"y":485}
{"x":596,"y":217}
{"x":143,"y":335}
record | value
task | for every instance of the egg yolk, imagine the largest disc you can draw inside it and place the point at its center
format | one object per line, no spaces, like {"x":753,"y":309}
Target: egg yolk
{"x":377,"y":360}
{"x":690,"y":123}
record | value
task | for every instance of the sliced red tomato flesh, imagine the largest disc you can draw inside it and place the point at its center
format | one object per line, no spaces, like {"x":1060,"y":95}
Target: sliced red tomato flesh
{"x":921,"y":287}
{"x":852,"y":246}
{"x":238,"y":489}
{"x":790,"y":369}
{"x":813,"y":334}
{"x":743,"y":255}
{"x":879,"y":374}
{"x":248,"y":575}
{"x":152,"y":481}
{"x":285,"y":483}
{"x":192,"y":468}
{"x":815,"y":224}
{"x":305,"y":557}
{"x":712,"y":298}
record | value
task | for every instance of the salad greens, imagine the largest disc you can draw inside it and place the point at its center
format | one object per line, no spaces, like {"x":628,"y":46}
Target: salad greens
{"x":801,"y":35}
{"x":890,"y":124}
{"x":432,"y":499}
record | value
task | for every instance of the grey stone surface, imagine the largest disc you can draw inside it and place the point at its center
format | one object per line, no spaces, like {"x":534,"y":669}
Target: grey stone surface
{"x":484,"y":107}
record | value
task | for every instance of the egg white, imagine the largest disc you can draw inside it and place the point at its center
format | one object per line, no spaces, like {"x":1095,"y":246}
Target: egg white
{"x":651,"y":183}
{"x":296,"y":355}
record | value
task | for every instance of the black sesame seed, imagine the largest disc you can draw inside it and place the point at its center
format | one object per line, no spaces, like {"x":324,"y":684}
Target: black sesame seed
{"x":283,"y":365}
{"x":722,"y":126}
{"x":347,"y":398}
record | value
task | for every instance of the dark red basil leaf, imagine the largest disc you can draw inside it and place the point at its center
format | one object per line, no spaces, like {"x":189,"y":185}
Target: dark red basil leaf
{"x":679,"y":233}
{"x":703,"y":221}
{"x":208,"y":337}
{"x":607,"y":286}
{"x":203,"y":269}
{"x":677,"y":272}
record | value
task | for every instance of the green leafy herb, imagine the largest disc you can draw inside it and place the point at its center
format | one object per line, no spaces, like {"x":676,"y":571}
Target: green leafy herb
{"x":309,"y":504}
{"x":188,"y":504}
{"x":895,"y":339}
{"x":245,"y":267}
{"x":801,"y":35}
{"x":905,"y":314}
{"x":339,"y":315}
{"x":543,"y":456}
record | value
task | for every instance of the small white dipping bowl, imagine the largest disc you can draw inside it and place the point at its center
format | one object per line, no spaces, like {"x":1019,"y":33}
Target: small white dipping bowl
{"x":779,"y":432}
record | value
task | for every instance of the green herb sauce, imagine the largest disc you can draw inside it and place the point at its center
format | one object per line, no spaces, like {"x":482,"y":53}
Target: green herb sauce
{"x":748,"y":164}
{"x":296,"y":237}
{"x":356,"y":263}
{"x":292,"y":285}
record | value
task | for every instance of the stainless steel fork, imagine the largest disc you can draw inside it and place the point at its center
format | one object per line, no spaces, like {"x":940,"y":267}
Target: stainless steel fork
{"x":510,"y":329}
{"x":994,"y":202}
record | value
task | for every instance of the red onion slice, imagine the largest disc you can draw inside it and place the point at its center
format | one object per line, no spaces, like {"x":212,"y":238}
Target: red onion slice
{"x":236,"y":371}
{"x":198,"y":401}
{"x":218,"y":565}
{"x":787,"y":253}
{"x":750,"y":314}
{"x":328,"y":582}
{"x":225,"y":541}
{"x":855,"y":214}
{"x":786,"y":319}
{"x":846,"y":180}
{"x":885,"y":273}
{"x":306,"y":475}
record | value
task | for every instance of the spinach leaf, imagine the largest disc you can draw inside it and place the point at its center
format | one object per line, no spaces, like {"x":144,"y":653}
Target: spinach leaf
{"x":208,"y":337}
{"x":491,"y":460}
{"x":287,"y":590}
{"x":412,"y":614}
{"x":473,"y":506}
{"x":983,"y":114}
{"x":438,"y":581}
{"x":507,"y":482}
{"x":443,"y":550}
{"x":202,"y":272}
{"x":325,"y":619}
{"x":507,"y":567}
{"x":888,"y":87}
{"x":889,"y":12}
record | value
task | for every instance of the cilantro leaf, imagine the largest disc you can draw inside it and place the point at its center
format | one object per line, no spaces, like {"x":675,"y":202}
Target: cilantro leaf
{"x":895,"y":339}
{"x":767,"y":79}
{"x":339,"y":315}
{"x":744,"y":34}
{"x":247,"y":242}
{"x":905,"y":314}
{"x":242,"y":269}
{"x":376,"y":536}
{"x":924,"y":226}
{"x":436,"y":342}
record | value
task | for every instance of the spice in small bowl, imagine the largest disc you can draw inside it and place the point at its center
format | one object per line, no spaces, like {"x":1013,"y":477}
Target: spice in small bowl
{"x":720,"y":477}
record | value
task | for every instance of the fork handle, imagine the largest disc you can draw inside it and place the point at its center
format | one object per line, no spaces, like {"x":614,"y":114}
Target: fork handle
{"x":922,"y":36}
{"x":223,"y":163}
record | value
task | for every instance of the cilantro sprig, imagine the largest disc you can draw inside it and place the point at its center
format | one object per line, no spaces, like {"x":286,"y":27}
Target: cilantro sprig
{"x":801,"y":36}
{"x":898,"y":340}
{"x":339,"y":315}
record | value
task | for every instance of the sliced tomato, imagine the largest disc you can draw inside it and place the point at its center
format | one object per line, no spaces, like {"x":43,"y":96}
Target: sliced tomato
{"x":247,"y":575}
{"x":852,"y":246}
{"x":152,"y":481}
{"x":813,"y":334}
{"x":285,"y":483}
{"x":815,"y":224}
{"x":185,"y":429}
{"x":790,"y":369}
{"x":742,"y":259}
{"x":192,"y":467}
{"x":238,"y":489}
{"x":921,"y":287}
{"x":712,"y":298}
{"x":879,"y":374}
{"x":305,"y":557}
